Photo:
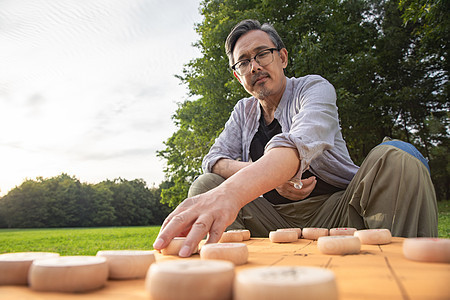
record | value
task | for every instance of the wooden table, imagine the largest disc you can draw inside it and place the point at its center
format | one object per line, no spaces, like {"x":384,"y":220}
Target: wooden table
{"x":378,"y":272}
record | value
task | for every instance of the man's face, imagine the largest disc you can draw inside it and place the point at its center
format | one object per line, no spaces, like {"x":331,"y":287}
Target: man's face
{"x":261,"y":82}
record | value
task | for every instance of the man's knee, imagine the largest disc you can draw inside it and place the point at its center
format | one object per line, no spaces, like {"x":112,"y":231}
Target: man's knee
{"x":204,"y":183}
{"x":407,"y":148}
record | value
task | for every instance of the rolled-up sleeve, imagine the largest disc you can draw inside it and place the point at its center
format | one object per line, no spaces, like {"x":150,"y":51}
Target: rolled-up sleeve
{"x":227,"y":144}
{"x":312,"y":120}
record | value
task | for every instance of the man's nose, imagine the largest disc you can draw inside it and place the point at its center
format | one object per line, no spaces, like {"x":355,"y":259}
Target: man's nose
{"x":255,"y":65}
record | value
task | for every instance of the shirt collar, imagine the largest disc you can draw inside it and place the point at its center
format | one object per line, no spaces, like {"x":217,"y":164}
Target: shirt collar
{"x":287,"y":94}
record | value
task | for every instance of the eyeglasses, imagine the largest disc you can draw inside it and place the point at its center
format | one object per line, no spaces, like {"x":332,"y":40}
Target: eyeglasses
{"x":263,"y":58}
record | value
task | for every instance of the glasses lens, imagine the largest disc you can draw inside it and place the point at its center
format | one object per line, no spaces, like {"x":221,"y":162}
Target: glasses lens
{"x":264,"y":58}
{"x":243,"y":68}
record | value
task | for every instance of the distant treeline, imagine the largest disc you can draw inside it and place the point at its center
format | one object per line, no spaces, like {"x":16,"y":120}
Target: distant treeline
{"x":63,"y":201}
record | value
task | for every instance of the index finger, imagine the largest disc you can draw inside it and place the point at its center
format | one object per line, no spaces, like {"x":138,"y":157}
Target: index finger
{"x":172,"y":228}
{"x":199,"y":229}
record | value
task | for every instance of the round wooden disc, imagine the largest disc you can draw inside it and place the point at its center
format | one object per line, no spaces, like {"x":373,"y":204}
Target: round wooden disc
{"x":314,"y":233}
{"x":374,"y":236}
{"x":237,"y":253}
{"x":175,"y":246}
{"x":298,"y":230}
{"x":128,"y":264}
{"x":245,"y":233}
{"x":342,"y":231}
{"x":192,"y":279}
{"x":287,"y":236}
{"x":68,"y":274}
{"x":285,"y":282}
{"x":231,"y":237}
{"x":14,"y":267}
{"x":339,"y":245}
{"x":427,"y":249}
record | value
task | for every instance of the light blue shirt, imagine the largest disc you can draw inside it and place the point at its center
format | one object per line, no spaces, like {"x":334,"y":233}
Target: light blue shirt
{"x":308,"y":116}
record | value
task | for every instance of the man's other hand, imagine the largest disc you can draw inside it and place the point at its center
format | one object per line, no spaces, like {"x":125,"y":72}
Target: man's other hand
{"x":288,"y":190}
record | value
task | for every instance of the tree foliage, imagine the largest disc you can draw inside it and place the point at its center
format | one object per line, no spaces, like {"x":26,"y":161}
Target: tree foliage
{"x":63,"y":201}
{"x":388,"y":61}
{"x":432,"y":29}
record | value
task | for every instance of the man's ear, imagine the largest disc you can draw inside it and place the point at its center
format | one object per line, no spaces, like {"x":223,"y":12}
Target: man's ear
{"x":284,"y":57}
{"x":237,"y":77}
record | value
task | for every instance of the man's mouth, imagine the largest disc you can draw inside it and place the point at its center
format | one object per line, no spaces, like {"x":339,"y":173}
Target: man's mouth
{"x":256,"y":79}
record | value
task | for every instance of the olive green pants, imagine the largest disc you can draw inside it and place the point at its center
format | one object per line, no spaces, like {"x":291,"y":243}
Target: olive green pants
{"x":392,"y":190}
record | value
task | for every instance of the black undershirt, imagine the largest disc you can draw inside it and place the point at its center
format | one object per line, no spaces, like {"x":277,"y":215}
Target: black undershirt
{"x":264,"y":134}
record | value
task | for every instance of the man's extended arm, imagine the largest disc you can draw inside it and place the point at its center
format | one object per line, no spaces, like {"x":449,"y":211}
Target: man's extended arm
{"x":227,"y":167}
{"x":210,"y":213}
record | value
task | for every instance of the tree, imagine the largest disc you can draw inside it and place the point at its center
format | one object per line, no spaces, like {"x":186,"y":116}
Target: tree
{"x":63,"y":201}
{"x":130,"y":202}
{"x":95,"y":206}
{"x":42,"y":203}
{"x":432,"y":29}
{"x":386,"y":85}
{"x":133,"y":203}
{"x":23,"y":206}
{"x":160,"y":211}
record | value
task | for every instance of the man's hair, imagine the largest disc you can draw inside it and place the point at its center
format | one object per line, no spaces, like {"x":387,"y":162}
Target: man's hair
{"x":248,"y":25}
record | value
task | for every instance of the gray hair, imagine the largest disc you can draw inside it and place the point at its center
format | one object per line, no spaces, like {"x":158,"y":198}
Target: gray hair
{"x":248,"y":25}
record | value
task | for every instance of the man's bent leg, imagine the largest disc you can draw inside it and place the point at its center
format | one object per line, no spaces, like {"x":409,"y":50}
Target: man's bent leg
{"x":393,"y":190}
{"x":326,"y":211}
{"x":204,"y":183}
{"x":258,"y":216}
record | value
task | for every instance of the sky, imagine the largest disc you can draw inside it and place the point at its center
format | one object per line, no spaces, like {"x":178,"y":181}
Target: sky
{"x":88,"y":88}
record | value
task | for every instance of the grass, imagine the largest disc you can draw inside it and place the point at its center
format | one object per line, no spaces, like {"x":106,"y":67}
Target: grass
{"x":444,"y":219}
{"x":77,"y":241}
{"x":87,"y":241}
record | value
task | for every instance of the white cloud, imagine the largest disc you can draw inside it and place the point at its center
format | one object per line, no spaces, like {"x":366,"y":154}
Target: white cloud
{"x":88,"y":88}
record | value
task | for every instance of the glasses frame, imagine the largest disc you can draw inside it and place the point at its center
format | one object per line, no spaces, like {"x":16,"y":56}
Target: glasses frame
{"x":233,"y":67}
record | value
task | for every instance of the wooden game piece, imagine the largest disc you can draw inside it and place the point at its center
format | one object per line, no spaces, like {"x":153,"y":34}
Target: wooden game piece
{"x":339,"y":245}
{"x":14,"y":267}
{"x":175,"y":246}
{"x":285,"y":282}
{"x":231,"y":237}
{"x":298,"y":230}
{"x":68,"y":274}
{"x":127,"y":264}
{"x":237,"y":253}
{"x":374,"y":236}
{"x":245,"y":233}
{"x":314,"y":233}
{"x":190,"y":279}
{"x":342,"y":231}
{"x":427,"y":249}
{"x":288,"y":236}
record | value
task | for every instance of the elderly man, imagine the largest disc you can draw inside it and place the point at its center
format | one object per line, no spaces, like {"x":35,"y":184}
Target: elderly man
{"x":281,"y":161}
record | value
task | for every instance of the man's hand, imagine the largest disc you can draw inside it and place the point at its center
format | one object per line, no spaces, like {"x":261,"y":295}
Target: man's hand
{"x":209,"y":213}
{"x":288,"y":190}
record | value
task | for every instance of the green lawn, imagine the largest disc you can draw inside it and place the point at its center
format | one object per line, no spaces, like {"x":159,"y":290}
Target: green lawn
{"x":77,"y":241}
{"x":444,"y":219}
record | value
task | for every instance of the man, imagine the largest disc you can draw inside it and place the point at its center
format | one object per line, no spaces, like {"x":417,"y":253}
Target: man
{"x":281,"y":161}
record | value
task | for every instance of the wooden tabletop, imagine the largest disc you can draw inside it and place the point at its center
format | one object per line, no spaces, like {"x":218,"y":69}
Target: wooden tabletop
{"x":378,"y":272}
